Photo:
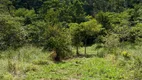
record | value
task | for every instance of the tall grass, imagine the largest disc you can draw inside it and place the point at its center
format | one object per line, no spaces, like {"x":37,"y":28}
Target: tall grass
{"x":16,"y":63}
{"x":31,"y":63}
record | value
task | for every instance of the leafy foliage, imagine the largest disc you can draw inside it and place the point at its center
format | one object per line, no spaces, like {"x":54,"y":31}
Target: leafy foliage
{"x":81,"y":32}
{"x":113,"y":26}
{"x":11,"y":31}
{"x":58,"y":40}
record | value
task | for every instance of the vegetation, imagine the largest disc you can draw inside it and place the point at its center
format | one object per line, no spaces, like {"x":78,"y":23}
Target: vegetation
{"x":44,"y":39}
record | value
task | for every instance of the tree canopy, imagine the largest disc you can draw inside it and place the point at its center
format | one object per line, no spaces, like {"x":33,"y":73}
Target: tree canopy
{"x":60,"y":23}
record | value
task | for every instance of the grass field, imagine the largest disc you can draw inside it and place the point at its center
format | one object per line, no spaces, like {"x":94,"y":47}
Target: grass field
{"x":31,"y":63}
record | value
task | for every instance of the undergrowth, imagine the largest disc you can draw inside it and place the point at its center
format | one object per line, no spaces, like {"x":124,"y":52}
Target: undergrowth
{"x":32,"y":63}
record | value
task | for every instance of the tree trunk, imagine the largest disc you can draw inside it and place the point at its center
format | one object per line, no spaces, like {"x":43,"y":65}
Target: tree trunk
{"x":57,"y":58}
{"x":85,"y":48}
{"x":77,"y":51}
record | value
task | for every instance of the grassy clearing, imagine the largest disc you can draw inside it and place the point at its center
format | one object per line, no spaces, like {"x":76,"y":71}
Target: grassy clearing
{"x":31,"y":63}
{"x":79,"y":68}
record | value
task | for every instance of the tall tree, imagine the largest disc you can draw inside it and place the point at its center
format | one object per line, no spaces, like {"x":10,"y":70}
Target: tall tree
{"x":89,"y":28}
{"x":28,"y":4}
{"x":81,"y":32}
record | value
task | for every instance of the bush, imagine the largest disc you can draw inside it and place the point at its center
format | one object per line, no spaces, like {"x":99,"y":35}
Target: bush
{"x":12,"y":67}
{"x":137,"y":68}
{"x":125,"y":54}
{"x":7,"y":76}
{"x":58,"y":39}
{"x":136,"y":33}
{"x":111,"y":42}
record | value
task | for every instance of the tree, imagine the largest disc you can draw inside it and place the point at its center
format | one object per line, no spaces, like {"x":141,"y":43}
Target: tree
{"x":81,"y":32}
{"x":29,"y":16}
{"x":136,"y":14}
{"x":103,"y":19}
{"x":57,"y":39}
{"x":89,"y":28}
{"x":12,"y":33}
{"x":6,"y":7}
{"x":64,"y":11}
{"x":28,"y":4}
{"x":76,"y":36}
{"x":135,"y":34}
{"x":52,"y":17}
{"x":78,"y":13}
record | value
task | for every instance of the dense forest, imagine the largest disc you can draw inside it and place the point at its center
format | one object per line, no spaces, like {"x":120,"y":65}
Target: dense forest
{"x":52,"y":35}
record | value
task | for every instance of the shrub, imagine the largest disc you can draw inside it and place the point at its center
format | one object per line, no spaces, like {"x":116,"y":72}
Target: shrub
{"x":7,"y":76}
{"x":125,"y":54}
{"x":12,"y":68}
{"x":136,"y":33}
{"x":111,"y":42}
{"x":58,"y":39}
{"x":137,"y":68}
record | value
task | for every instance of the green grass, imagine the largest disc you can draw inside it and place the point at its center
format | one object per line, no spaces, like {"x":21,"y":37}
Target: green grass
{"x":31,"y":63}
{"x":79,"y":68}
